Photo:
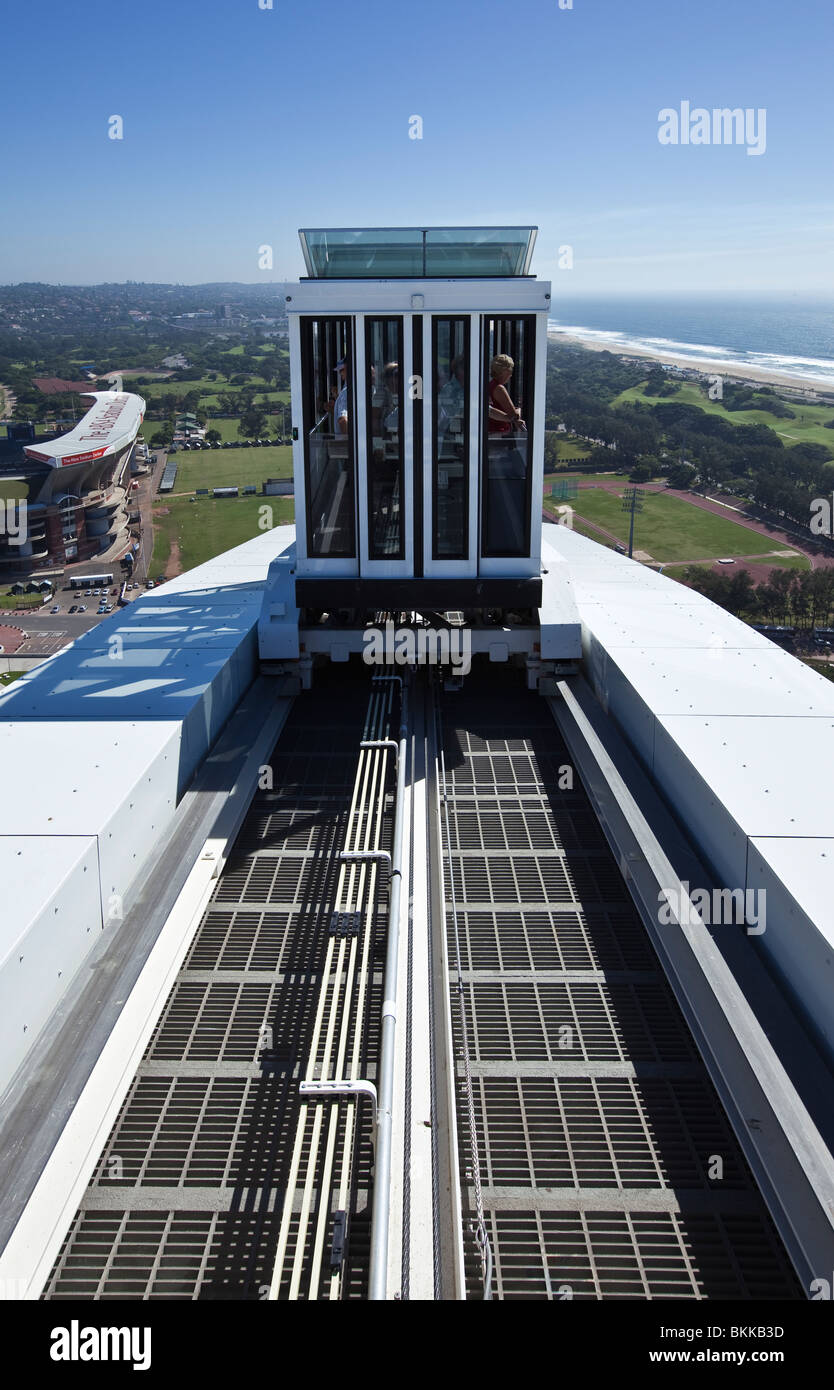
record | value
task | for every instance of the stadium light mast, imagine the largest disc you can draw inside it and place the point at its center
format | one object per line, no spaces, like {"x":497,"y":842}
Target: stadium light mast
{"x":632,"y":502}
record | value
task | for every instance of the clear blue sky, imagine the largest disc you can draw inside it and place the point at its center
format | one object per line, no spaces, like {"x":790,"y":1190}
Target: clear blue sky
{"x":242,"y":124}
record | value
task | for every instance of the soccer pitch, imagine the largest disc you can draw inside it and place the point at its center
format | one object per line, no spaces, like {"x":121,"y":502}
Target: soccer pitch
{"x":193,"y":532}
{"x":231,"y":467}
{"x":670,"y":529}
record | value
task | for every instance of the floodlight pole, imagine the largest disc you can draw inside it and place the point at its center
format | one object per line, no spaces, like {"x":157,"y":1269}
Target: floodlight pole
{"x":631,"y":523}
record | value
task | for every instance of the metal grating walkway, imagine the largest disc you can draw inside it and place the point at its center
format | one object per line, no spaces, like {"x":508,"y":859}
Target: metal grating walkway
{"x":186,"y":1201}
{"x":598,"y":1128}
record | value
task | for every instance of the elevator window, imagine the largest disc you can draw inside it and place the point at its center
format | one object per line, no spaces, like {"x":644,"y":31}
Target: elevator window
{"x":450,"y":454}
{"x":328,"y":401}
{"x":385,"y":416}
{"x":509,"y":365}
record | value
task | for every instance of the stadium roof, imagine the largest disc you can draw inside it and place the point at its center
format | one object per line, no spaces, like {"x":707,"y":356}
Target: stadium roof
{"x":112,"y":422}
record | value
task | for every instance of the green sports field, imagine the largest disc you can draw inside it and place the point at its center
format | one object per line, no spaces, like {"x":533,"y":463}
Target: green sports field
{"x":207,"y":527}
{"x":670,"y":529}
{"x":231,"y":467}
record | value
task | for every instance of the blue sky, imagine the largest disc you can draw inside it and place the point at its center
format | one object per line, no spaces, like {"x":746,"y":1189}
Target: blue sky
{"x":242,"y":124}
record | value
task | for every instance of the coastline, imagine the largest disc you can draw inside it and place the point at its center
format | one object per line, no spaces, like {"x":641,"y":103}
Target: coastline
{"x":729,"y":371}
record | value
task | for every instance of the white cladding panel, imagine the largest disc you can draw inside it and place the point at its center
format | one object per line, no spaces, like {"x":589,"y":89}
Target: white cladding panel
{"x":794,"y":883}
{"x":52,"y":883}
{"x":114,"y":781}
{"x":505,"y":296}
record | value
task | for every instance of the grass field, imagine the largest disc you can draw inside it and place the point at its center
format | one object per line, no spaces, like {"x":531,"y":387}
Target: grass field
{"x":808,"y":427}
{"x":33,"y":601}
{"x":12,"y":490}
{"x":209,"y":526}
{"x":231,"y":467}
{"x":670,"y":529}
{"x":172,"y":387}
{"x":784,"y":562}
{"x":764,"y":566}
{"x":211,"y":400}
{"x":568,"y":449}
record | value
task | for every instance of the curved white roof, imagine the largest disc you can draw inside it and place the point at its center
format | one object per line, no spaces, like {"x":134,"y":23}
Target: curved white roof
{"x":111,"y":423}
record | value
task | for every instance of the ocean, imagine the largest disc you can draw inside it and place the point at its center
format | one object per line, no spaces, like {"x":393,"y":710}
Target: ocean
{"x":793,"y":336}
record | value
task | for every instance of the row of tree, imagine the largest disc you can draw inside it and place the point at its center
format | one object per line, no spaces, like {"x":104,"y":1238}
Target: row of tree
{"x":795,"y":598}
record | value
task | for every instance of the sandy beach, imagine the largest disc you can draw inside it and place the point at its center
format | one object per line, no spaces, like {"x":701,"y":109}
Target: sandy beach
{"x":730,"y":371}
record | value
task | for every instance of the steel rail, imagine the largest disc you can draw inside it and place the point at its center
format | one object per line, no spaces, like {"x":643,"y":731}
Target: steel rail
{"x":340,"y":1013}
{"x":381,"y":1210}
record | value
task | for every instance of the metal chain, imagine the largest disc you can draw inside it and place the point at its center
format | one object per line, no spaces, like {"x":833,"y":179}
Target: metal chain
{"x":481,"y":1233}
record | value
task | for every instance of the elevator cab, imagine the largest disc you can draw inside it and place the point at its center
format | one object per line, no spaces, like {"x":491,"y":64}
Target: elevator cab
{"x":418,"y":364}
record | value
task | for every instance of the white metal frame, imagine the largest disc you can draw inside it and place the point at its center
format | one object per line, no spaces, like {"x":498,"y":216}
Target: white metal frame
{"x":529,"y":565}
{"x":384,"y":569}
{"x":477,"y":299}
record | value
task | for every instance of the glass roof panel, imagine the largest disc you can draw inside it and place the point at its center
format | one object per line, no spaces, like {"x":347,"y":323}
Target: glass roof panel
{"x":381,"y":253}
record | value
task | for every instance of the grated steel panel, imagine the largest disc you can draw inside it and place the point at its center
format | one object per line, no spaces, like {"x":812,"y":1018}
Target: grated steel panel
{"x":608,"y":1166}
{"x":186,"y":1199}
{"x":625,"y":1255}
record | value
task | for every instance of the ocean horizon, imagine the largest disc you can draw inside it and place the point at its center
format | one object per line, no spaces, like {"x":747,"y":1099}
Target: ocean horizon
{"x":793,"y":337}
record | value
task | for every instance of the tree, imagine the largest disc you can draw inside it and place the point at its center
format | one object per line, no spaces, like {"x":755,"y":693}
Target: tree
{"x":641,"y":472}
{"x":252,"y":422}
{"x":213,"y":436}
{"x":741,"y":596}
{"x":680,"y":475}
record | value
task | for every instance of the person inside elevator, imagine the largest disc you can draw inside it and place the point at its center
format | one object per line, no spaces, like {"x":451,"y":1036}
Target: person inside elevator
{"x":340,"y":410}
{"x":505,"y":510}
{"x":450,"y":398}
{"x":391,"y":398}
{"x":503,"y":415}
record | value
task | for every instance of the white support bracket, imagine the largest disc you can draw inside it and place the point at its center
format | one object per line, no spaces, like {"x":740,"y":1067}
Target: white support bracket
{"x":366,"y":856}
{"x":360,"y":1089}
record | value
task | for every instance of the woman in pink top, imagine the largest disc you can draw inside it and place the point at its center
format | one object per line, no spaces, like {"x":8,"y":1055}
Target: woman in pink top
{"x":503,"y":415}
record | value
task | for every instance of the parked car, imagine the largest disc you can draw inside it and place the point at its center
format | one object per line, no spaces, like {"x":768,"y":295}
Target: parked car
{"x":150,"y":584}
{"x":56,"y":608}
{"x":74,"y":608}
{"x":82,"y":608}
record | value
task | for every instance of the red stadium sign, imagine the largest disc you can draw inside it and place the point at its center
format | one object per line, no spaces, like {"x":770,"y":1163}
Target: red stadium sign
{"x":82,"y":458}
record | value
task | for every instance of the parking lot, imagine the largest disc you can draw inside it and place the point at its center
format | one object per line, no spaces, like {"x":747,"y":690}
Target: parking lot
{"x":48,"y":631}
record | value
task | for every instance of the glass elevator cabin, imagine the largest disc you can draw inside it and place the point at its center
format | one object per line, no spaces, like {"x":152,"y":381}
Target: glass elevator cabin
{"x":416,"y":486}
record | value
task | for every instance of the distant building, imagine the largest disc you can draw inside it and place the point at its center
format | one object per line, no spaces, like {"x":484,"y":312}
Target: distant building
{"x":175,"y":360}
{"x":75,"y":506}
{"x":51,"y":385}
